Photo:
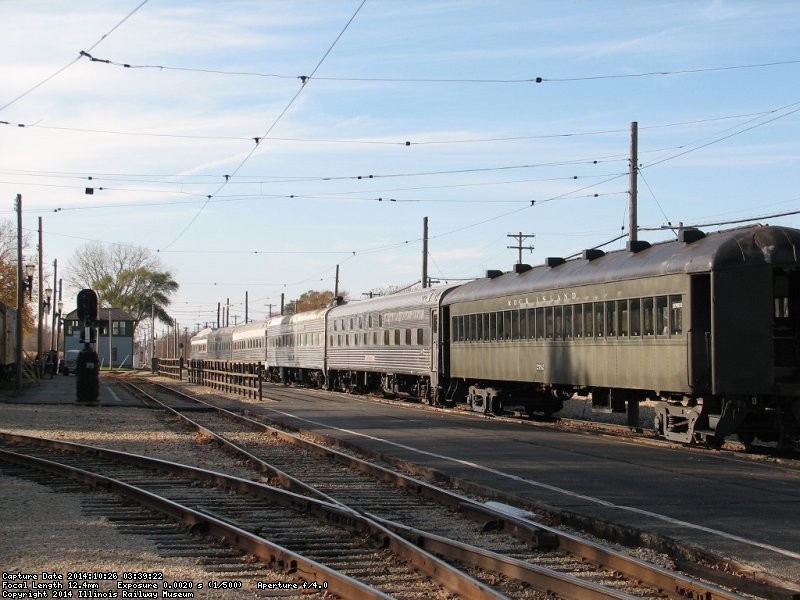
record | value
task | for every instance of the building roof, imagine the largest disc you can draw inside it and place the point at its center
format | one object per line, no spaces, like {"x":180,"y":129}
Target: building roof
{"x":117,"y":314}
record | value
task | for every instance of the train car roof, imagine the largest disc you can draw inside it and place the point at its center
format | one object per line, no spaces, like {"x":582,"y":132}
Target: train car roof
{"x":246,"y":328}
{"x":392,"y":301}
{"x":693,"y":252}
{"x":202,"y":334}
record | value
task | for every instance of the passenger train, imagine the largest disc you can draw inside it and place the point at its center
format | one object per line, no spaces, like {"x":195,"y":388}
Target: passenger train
{"x":707,"y":326}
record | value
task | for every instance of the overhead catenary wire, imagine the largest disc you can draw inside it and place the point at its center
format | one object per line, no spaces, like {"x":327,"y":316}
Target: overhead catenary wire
{"x":270,"y":128}
{"x":75,"y":60}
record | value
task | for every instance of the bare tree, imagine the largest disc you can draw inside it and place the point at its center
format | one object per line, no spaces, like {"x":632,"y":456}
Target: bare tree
{"x":127,"y":277}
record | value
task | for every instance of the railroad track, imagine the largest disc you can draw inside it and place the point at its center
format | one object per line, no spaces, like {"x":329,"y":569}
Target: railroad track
{"x":325,"y":547}
{"x":509,"y":550}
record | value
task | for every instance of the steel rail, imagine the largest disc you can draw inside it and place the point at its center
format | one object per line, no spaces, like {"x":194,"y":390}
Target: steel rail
{"x":450,"y":577}
{"x":537,"y":534}
{"x":272,"y":554}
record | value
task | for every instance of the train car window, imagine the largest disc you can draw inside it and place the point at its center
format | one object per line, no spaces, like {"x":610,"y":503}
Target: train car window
{"x":622,"y":315}
{"x":386,"y":337}
{"x":648,"y":319}
{"x":420,"y":336}
{"x":506,"y":317}
{"x":636,"y":317}
{"x":356,"y":340}
{"x":491,"y":334}
{"x":435,"y":322}
{"x":361,"y":322}
{"x":408,"y":337}
{"x":374,"y":338}
{"x":539,"y":323}
{"x":676,"y":315}
{"x":578,"y":320}
{"x":568,"y":321}
{"x":483,"y":327}
{"x":611,"y":318}
{"x":548,"y":322}
{"x":369,"y":321}
{"x":523,"y":324}
{"x":588,"y":320}
{"x":662,"y":316}
{"x":396,"y":337}
{"x":599,"y":319}
{"x":558,"y":322}
{"x":335,"y":325}
{"x":514,"y":324}
{"x":472,"y":324}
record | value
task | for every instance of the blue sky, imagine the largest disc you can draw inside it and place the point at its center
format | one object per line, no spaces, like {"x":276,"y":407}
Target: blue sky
{"x":713,"y":86}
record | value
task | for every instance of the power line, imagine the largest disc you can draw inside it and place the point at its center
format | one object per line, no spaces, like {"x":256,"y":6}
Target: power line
{"x":270,"y":128}
{"x":443,"y":80}
{"x":76,"y":59}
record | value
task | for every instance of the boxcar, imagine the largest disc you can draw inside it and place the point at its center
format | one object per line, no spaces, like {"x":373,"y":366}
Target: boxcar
{"x":708,"y":324}
{"x":390,"y":343}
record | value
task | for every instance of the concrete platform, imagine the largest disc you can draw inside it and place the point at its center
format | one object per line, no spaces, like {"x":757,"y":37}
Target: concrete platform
{"x":62,"y":389}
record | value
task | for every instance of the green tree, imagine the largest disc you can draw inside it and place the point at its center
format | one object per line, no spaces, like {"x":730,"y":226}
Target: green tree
{"x":311,"y":300}
{"x":126,"y":277}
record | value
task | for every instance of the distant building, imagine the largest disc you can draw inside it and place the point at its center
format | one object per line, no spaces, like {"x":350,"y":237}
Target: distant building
{"x":116,"y":349}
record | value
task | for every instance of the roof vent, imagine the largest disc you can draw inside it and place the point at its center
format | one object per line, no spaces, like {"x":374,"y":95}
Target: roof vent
{"x":637,"y":246}
{"x":593,"y":253}
{"x":554,"y":261}
{"x":521,"y":268}
{"x":492,"y":273}
{"x":690,"y":235}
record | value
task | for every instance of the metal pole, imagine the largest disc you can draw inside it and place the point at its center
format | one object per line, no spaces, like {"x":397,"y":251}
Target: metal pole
{"x":425,"y":252}
{"x":633,"y":226}
{"x":336,"y":285}
{"x":55,"y":304}
{"x":39,"y":307}
{"x":110,"y":354}
{"x":20,"y":293}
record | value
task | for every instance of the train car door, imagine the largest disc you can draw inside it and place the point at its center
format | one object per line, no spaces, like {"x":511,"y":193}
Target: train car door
{"x":434,"y":346}
{"x":700,"y":331}
{"x":786,"y":291}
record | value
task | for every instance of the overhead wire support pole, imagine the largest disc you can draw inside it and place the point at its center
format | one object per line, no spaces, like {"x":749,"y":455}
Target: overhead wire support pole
{"x":519,"y":247}
{"x":633,"y":224}
{"x":20,"y":294}
{"x":425,"y":252}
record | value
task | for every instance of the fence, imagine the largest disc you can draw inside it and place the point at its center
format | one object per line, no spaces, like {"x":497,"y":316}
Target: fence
{"x":244,"y":379}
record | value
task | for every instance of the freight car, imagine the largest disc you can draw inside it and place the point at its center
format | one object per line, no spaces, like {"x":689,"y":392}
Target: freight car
{"x":707,"y":327}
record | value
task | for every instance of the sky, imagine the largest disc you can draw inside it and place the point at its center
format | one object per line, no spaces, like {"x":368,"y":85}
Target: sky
{"x":254,"y":146}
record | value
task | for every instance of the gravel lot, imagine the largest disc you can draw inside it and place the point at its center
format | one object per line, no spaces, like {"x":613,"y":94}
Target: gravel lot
{"x":47,"y":531}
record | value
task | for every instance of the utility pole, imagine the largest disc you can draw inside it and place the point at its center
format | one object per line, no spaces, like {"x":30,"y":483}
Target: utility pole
{"x":41,"y":297}
{"x":53,"y":345}
{"x":336,"y":285}
{"x":633,"y":225}
{"x":20,"y":293}
{"x":519,"y":247}
{"x":425,"y":252}
{"x":245,"y":307}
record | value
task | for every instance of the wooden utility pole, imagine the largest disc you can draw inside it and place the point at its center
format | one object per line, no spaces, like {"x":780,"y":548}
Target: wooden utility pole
{"x":633,"y":225}
{"x":336,"y":285}
{"x":519,"y":247}
{"x":245,"y":307}
{"x":425,"y":252}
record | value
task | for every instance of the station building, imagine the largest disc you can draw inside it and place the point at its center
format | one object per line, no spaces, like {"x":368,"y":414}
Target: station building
{"x":114,"y":335}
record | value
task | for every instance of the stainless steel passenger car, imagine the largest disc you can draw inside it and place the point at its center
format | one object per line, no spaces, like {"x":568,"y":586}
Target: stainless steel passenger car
{"x":199,"y":344}
{"x":707,"y":323}
{"x":249,"y":342}
{"x":296,"y":348}
{"x":389,"y":343}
